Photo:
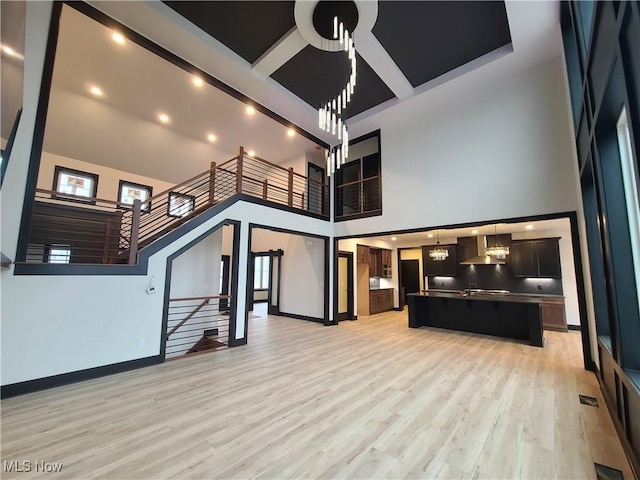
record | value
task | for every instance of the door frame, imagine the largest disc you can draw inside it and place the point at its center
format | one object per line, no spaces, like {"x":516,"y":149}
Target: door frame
{"x":350,"y":293}
{"x":226,"y":264}
{"x":274,"y":309}
{"x":313,"y":166}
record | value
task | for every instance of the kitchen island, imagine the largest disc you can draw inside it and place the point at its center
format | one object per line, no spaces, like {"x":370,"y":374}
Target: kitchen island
{"x":510,"y":316}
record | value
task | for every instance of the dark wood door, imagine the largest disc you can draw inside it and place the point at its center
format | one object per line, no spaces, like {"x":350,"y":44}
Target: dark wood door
{"x":410,"y":277}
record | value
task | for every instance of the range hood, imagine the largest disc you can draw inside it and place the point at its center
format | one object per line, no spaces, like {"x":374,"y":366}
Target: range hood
{"x":481,"y":258}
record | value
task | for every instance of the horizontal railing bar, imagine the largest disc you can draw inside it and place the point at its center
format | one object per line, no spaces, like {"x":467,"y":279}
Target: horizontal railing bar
{"x":198,"y":298}
{"x":357,"y":182}
{"x":83,"y":199}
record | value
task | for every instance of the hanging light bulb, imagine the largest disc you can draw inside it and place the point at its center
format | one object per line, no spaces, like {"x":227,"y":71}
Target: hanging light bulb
{"x":339,"y":128}
{"x":341,"y":33}
{"x":335,"y":27}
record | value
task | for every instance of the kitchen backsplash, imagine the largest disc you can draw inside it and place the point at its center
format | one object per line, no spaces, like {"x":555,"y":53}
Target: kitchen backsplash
{"x":495,"y":277}
{"x":374,"y":282}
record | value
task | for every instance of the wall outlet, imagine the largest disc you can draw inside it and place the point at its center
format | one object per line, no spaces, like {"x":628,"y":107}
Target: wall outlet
{"x":141,"y":343}
{"x":151,"y":290}
{"x":539,"y":287}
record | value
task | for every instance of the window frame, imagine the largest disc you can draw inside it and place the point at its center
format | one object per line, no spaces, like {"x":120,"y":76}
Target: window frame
{"x":260,"y":258}
{"x":49,"y":248}
{"x":175,"y":195}
{"x":59,"y":170}
{"x":147,"y":188}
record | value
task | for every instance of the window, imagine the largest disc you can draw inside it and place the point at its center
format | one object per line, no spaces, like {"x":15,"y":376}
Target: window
{"x":358,"y":187}
{"x":358,"y":183}
{"x":631,"y":192}
{"x":180,"y":204}
{"x":261,"y":272}
{"x":58,"y":254}
{"x":129,"y":191}
{"x":75,"y":182}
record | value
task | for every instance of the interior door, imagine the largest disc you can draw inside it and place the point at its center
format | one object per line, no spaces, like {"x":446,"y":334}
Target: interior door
{"x":345,"y":286}
{"x":410,"y":277}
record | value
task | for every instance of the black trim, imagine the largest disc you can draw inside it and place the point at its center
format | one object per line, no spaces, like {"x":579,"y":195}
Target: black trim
{"x":622,"y":435}
{"x":323,"y":199}
{"x":348,"y":315}
{"x":274,"y":255}
{"x":327,"y":282}
{"x":6,"y":153}
{"x":30,"y":386}
{"x":367,"y":136}
{"x":38,"y":135}
{"x":59,"y":169}
{"x":356,"y":216}
{"x":303,"y":317}
{"x":144,"y":254}
{"x":127,"y":183}
{"x":574,"y":327}
{"x":249,"y":285}
{"x":179,"y":62}
{"x":589,"y":364}
{"x":167,"y":282}
{"x":397,"y":309}
{"x":235,"y":292}
{"x":184,"y":196}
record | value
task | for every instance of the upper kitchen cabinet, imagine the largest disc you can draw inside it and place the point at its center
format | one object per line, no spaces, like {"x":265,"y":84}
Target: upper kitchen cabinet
{"x":362,"y":253}
{"x":444,"y":268}
{"x":536,"y":258}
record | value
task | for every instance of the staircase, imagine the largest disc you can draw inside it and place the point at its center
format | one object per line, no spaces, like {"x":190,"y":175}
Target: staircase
{"x":99,"y":231}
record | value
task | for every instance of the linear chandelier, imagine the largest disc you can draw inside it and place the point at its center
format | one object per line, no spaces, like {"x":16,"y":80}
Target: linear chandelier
{"x":331,"y":113}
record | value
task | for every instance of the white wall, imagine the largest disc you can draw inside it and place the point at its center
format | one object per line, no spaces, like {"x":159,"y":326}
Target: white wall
{"x":196,"y":272}
{"x":500,"y":153}
{"x":569,"y":285}
{"x":108,"y":178}
{"x":302,"y":280}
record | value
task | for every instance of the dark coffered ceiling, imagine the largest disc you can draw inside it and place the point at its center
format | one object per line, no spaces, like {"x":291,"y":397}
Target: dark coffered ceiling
{"x":425,"y":39}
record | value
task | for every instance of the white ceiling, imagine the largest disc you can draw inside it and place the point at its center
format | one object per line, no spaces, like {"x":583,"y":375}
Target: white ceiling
{"x":139,"y":85}
{"x":121,"y":130}
{"x":417,"y":239}
{"x":535,"y":33}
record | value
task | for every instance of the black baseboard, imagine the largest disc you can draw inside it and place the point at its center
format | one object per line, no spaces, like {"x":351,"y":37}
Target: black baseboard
{"x":398,"y":309}
{"x":301,"y":317}
{"x":45,"y":383}
{"x":611,"y":408}
{"x":575,"y":327}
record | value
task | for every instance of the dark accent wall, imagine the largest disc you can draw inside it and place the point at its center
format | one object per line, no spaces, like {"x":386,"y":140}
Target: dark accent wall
{"x":602,"y":52}
{"x":492,"y":277}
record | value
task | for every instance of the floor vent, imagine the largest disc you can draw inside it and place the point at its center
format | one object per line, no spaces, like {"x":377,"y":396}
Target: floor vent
{"x":586,"y":400}
{"x":607,"y":473}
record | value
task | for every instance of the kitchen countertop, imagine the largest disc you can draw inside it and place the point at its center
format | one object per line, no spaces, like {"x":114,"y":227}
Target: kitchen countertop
{"x":478,"y":292}
{"x":376,"y":289}
{"x":511,"y":297}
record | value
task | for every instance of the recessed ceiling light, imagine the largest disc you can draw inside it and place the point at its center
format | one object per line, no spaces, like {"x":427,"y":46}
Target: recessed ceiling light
{"x":529,"y":227}
{"x":430,"y":235}
{"x":198,"y":82}
{"x":474,"y":231}
{"x":11,"y":52}
{"x":393,"y":238}
{"x":250,"y":110}
{"x":97,"y":91}
{"x":251,"y":153}
{"x":118,"y":38}
{"x":163,"y":117}
{"x":211,"y":137}
{"x":291,"y":132}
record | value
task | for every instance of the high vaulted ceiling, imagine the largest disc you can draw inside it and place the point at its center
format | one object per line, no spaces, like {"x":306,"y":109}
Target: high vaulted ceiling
{"x":417,"y":41}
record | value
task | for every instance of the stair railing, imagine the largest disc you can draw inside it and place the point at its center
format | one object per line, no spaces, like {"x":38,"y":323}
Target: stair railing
{"x":190,"y":318}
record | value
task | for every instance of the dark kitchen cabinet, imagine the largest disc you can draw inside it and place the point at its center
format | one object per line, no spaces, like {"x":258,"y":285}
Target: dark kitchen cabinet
{"x":536,"y":258}
{"x":380,"y":300}
{"x":379,"y":260}
{"x":375,"y":263}
{"x":445,"y":268}
{"x":362,"y":253}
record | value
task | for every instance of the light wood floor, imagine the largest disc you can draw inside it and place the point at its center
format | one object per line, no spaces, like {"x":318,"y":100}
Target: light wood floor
{"x":365,"y":399}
